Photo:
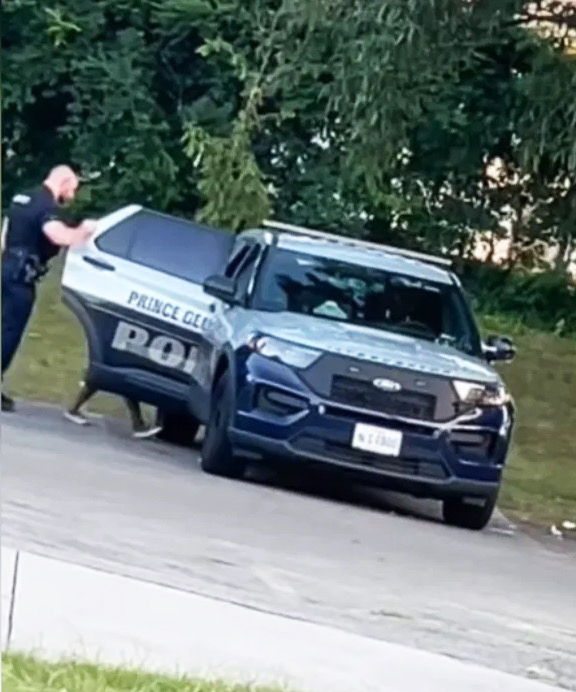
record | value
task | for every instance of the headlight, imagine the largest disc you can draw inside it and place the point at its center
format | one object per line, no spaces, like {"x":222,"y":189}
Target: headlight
{"x":481,"y":395}
{"x":284,"y":351}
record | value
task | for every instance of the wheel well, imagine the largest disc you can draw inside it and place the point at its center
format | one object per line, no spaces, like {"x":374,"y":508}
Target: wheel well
{"x":221,"y":368}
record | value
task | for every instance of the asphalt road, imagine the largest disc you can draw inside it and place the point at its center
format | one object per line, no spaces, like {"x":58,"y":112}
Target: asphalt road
{"x":350,"y":558}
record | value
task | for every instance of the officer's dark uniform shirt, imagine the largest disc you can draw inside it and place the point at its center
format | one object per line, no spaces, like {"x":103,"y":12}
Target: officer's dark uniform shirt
{"x":27,"y":215}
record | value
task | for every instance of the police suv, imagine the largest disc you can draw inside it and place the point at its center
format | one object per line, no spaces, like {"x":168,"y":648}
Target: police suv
{"x":299,"y":347}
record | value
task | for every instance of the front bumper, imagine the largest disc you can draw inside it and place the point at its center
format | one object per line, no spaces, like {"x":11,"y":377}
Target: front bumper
{"x":279,"y":419}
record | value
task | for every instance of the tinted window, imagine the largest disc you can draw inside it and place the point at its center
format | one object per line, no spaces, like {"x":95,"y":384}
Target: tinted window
{"x":118,"y":239}
{"x":170,"y":245}
{"x":367,"y":296}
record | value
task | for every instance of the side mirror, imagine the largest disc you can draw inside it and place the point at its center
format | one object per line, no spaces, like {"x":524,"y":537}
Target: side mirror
{"x":499,"y":349}
{"x":221,"y":287}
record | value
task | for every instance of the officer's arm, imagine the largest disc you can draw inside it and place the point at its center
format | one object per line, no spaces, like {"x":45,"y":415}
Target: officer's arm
{"x":61,"y":234}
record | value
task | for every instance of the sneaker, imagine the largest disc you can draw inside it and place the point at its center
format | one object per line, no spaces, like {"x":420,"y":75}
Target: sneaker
{"x":8,"y":404}
{"x":145,"y":433}
{"x":76,"y":417}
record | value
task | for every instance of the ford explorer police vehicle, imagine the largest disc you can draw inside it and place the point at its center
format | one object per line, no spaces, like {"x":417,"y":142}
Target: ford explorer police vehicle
{"x":298,"y":347}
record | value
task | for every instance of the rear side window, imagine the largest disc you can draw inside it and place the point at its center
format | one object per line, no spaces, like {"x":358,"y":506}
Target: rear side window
{"x":169,"y":245}
{"x":117,"y":240}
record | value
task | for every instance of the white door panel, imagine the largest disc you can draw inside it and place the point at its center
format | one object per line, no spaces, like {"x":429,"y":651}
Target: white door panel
{"x":144,"y":323}
{"x":104,"y":278}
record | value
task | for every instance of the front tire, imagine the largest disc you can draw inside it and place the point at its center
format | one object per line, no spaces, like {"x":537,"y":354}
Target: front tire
{"x":178,"y":428}
{"x":217,"y":456}
{"x":464,"y":515}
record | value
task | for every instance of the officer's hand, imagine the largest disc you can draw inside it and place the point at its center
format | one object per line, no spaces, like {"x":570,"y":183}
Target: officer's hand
{"x":89,"y":226}
{"x":82,"y":234}
{"x":84,"y":231}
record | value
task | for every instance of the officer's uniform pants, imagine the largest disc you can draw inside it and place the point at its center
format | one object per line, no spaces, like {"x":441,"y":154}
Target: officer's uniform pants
{"x":17,"y":303}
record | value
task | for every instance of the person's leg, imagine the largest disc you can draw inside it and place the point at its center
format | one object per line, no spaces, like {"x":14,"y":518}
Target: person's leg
{"x":74,"y":413}
{"x":17,"y":305}
{"x":136,"y":418}
{"x":139,"y":428}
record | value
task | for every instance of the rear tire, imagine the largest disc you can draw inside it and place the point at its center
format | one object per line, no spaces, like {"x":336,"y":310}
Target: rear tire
{"x":217,"y":457}
{"x":464,"y":515}
{"x":178,"y":428}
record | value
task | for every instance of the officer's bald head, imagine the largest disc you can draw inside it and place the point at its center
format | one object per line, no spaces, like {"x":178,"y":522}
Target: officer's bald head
{"x":63,"y":182}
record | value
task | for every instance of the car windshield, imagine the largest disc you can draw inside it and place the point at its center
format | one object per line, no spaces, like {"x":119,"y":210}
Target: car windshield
{"x":368,"y":296}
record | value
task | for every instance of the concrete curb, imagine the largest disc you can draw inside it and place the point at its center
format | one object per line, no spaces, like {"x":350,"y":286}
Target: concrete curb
{"x":57,"y":610}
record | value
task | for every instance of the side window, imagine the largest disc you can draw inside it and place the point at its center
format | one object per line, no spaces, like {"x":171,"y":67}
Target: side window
{"x":247,"y":269}
{"x":169,"y":245}
{"x":236,"y":260}
{"x":117,"y":240}
{"x":180,"y":248}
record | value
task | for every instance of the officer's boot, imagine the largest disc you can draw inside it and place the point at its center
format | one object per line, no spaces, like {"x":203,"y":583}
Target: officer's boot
{"x":8,"y":404}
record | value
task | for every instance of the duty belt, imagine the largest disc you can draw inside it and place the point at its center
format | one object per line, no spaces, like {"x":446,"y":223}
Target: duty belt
{"x":28,"y":268}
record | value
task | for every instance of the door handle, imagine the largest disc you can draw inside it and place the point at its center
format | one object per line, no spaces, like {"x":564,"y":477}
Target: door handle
{"x":98,"y":263}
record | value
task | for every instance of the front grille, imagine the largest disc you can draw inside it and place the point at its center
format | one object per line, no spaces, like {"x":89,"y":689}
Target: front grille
{"x":363,"y":394}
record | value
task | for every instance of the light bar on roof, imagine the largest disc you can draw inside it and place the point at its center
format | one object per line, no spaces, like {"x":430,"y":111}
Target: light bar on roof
{"x":354,"y":242}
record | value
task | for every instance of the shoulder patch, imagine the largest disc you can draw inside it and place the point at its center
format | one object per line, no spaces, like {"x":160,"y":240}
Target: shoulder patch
{"x":21,"y":199}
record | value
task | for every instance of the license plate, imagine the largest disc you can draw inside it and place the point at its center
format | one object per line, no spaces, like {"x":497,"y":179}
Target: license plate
{"x":371,"y":438}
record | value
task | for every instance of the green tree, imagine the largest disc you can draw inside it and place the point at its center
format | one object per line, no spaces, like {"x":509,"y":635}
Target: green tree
{"x":429,"y":92}
{"x":375,"y":119}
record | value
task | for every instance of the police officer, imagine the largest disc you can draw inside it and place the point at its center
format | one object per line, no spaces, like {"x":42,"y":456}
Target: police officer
{"x":34,"y":233}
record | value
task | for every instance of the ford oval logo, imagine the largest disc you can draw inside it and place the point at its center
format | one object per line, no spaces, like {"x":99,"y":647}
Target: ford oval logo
{"x":386,"y":385}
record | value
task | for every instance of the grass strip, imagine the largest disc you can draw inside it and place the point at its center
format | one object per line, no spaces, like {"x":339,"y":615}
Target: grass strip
{"x":26,"y":674}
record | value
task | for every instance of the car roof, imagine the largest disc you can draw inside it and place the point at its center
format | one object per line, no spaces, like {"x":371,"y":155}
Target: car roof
{"x":356,"y":254}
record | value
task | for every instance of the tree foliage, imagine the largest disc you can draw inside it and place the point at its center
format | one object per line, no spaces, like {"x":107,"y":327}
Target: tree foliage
{"x":433,"y":91}
{"x":420,"y":122}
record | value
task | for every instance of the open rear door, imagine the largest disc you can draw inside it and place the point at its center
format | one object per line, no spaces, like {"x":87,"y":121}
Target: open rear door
{"x":136,"y":288}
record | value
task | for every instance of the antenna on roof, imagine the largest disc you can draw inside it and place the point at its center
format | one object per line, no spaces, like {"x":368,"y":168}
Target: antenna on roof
{"x":355,"y":242}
